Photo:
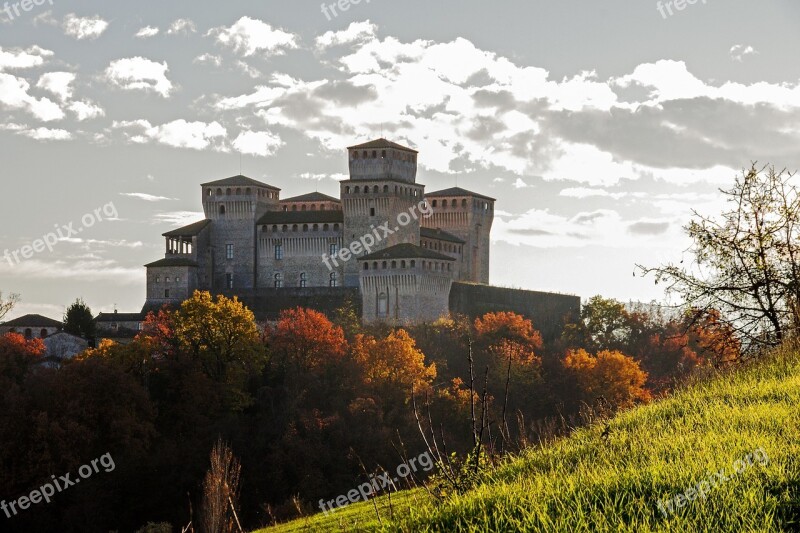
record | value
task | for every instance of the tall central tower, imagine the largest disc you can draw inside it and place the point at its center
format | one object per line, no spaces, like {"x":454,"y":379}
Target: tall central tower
{"x":382,"y":190}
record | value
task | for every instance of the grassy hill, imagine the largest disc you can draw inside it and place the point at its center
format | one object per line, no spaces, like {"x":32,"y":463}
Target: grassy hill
{"x":652,"y":453}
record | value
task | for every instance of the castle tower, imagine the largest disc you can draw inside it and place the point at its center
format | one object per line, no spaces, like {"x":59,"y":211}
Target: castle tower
{"x":234,"y":205}
{"x":468,"y":216}
{"x":380,"y":199}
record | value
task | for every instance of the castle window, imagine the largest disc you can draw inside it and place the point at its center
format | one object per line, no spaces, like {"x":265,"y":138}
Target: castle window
{"x":247,"y":191}
{"x":315,"y":227}
{"x":383,"y":305}
{"x":303,"y":208}
{"x":434,"y":203}
{"x":394,"y":264}
{"x":228,"y":251}
{"x":385,"y":188}
{"x":274,"y":228}
{"x":336,"y":227}
{"x":294,"y":208}
{"x":303,"y":280}
{"x":294,"y":227}
{"x":229,"y":281}
{"x":177,"y":279}
{"x":208,"y":192}
{"x":227,"y":192}
{"x":356,"y":190}
{"x":222,"y":210}
{"x":284,"y":228}
{"x":322,"y":207}
{"x":43,"y":334}
{"x":278,"y":280}
{"x":383,"y":265}
{"x":355,"y":154}
{"x":334,"y":249}
{"x":464,"y":202}
{"x":375,"y":189}
{"x":347,"y":189}
{"x":372,"y":211}
{"x":366,"y":266}
{"x":166,"y":280}
{"x":413,"y":264}
{"x":279,"y":251}
{"x":313,"y":207}
{"x":158,"y":279}
{"x":449,"y":267}
{"x":326,"y":227}
{"x":374,"y":154}
{"x":219,"y":192}
{"x":285,"y":208}
{"x":444,"y":203}
{"x":383,"y":154}
{"x":28,"y":333}
{"x":403,"y":264}
{"x":166,"y":293}
{"x":305,"y":227}
{"x":238,"y":192}
{"x":333,"y":279}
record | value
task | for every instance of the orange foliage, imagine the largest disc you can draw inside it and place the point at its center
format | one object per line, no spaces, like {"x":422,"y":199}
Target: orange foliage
{"x":306,"y":338}
{"x":509,"y":336}
{"x":610,"y":375}
{"x":393,"y":361}
{"x":17,"y":355}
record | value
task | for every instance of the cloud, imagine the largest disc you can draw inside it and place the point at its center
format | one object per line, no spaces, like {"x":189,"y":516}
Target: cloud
{"x":209,"y":58}
{"x":179,"y":218}
{"x":182,"y":26}
{"x":146,"y":197}
{"x":17,"y":58}
{"x":520,"y":184}
{"x":86,"y":110}
{"x":84,"y":27}
{"x":178,"y":133}
{"x":47,"y":134}
{"x":357,"y":32}
{"x":57,"y":83}
{"x":89,"y":270}
{"x":139,"y":73}
{"x":648,"y":228}
{"x":320,"y":177}
{"x":739,"y":52}
{"x":147,"y":31}
{"x":249,"y":36}
{"x":14,"y":95}
{"x":261,"y":143}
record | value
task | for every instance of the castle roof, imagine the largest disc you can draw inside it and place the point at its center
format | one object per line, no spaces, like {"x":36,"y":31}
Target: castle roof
{"x":312,"y":197}
{"x":457,"y":191}
{"x":119,"y":317}
{"x":32,"y":321}
{"x":405,"y":251}
{"x":238,"y":181}
{"x":299,"y":217}
{"x":188,"y":231}
{"x":431,"y":233}
{"x":381,"y":143}
{"x":172,"y":262}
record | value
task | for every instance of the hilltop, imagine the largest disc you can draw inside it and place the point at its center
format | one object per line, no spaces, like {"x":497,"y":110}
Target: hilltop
{"x":695,"y":440}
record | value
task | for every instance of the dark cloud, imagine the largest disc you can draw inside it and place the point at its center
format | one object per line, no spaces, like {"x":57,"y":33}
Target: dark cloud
{"x":346,"y":93}
{"x":531,"y":232}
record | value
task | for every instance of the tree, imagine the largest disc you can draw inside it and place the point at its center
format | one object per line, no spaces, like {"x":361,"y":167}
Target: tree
{"x":221,"y":492}
{"x":79,"y":320}
{"x":747,"y":261}
{"x":612,"y":376}
{"x":8,"y":304}
{"x":604,"y":324}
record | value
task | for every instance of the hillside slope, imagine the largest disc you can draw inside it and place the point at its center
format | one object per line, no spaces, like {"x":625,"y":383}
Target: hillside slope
{"x":681,"y":453}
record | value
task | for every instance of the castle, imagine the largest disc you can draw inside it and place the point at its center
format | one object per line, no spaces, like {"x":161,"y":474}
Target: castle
{"x":396,"y":248}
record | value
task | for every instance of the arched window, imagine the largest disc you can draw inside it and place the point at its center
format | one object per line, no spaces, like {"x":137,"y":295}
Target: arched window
{"x":403,"y":263}
{"x":394,"y":264}
{"x":366,"y":265}
{"x":413,"y":264}
{"x":222,"y":210}
{"x":28,"y":333}
{"x":365,"y":154}
{"x":374,"y":265}
{"x":325,"y":227}
{"x":464,"y":202}
{"x":294,"y":207}
{"x":333,"y":279}
{"x":305,"y":227}
{"x":238,"y":192}
{"x":227,"y":192}
{"x":336,"y":227}
{"x":356,"y":190}
{"x":248,"y":191}
{"x":278,"y":280}
{"x":444,"y":203}
{"x":274,"y":228}
{"x":374,"y":154}
{"x":284,"y":228}
{"x":294,"y":227}
{"x":375,"y":189}
{"x":315,"y":227}
{"x":303,"y":208}
{"x":219,"y":192}
{"x":347,"y":190}
{"x":313,"y":207}
{"x":355,"y":154}
{"x":43,"y":333}
{"x":303,"y":280}
{"x":385,"y":188}
{"x":434,"y":203}
{"x":208,"y":192}
{"x":383,"y":154}
{"x":383,"y":265}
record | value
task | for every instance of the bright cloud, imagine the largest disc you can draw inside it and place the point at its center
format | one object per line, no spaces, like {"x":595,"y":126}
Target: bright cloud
{"x":147,"y":31}
{"x":16,"y":58}
{"x":140,"y":73}
{"x":57,"y":83}
{"x":261,"y":143}
{"x":84,"y":27}
{"x":249,"y":36}
{"x":14,"y":95}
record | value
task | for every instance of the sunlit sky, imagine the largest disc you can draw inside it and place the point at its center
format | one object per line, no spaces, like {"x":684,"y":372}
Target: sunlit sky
{"x":598,"y":126}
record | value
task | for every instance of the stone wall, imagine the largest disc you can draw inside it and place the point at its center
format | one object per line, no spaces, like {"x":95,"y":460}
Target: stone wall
{"x":267,"y":303}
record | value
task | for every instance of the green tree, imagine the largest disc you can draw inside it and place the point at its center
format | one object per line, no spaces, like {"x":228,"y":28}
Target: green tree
{"x":78,"y":320}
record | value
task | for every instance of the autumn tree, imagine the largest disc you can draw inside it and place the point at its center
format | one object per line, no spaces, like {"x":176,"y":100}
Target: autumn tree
{"x":610,"y":376}
{"x":746,"y":262}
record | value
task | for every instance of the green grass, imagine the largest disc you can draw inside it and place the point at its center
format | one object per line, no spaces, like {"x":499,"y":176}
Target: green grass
{"x":584,"y":483}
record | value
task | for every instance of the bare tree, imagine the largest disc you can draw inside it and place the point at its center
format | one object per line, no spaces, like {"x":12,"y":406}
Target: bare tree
{"x":221,"y":492}
{"x":746,"y":261}
{"x":8,"y":304}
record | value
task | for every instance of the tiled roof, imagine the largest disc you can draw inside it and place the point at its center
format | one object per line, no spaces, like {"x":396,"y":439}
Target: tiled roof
{"x":430,"y":233}
{"x":32,"y":321}
{"x":457,"y":191}
{"x":172,"y":262}
{"x":405,"y":251}
{"x":119,"y":317}
{"x":238,"y":181}
{"x":300,"y":217}
{"x":188,"y":231}
{"x":312,"y":197}
{"x":381,"y":143}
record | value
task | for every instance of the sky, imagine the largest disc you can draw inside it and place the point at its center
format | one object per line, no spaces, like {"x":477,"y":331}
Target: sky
{"x":597,"y":126}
